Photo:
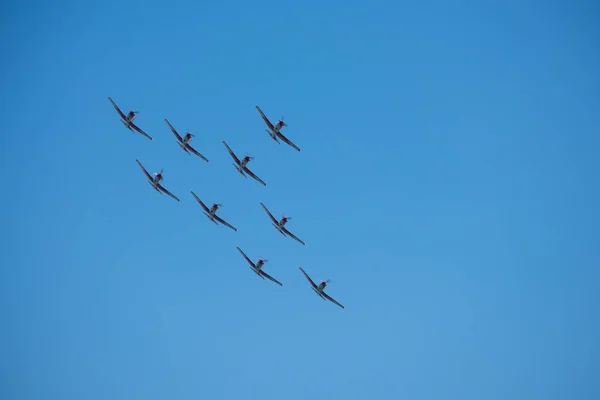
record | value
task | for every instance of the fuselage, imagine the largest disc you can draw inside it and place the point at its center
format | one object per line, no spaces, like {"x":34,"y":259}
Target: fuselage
{"x":129,"y":120}
{"x":320,"y":288}
{"x":156,"y":180}
{"x":212,"y":212}
{"x":258,"y":267}
{"x":240,"y":167}
{"x":276,"y":128}
{"x":187,"y":138}
{"x":282,"y":223}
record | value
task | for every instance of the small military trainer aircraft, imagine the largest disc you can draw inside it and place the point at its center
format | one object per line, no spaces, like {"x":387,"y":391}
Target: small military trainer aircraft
{"x":241,"y":165}
{"x":155,"y":181}
{"x":184,"y":142}
{"x":280,"y":225}
{"x":128,"y":120}
{"x":212,"y":212}
{"x":257,"y":268}
{"x":275,"y":130}
{"x":319,"y":290}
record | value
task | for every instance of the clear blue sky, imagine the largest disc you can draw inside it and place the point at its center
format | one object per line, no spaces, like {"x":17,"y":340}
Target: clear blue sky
{"x":447,"y":185}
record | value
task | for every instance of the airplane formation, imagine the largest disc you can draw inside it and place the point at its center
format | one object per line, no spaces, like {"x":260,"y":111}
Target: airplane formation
{"x":241,"y":165}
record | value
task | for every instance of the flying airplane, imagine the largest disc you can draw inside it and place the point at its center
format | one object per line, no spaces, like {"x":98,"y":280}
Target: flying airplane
{"x":212,"y":212}
{"x":257,"y":268}
{"x":241,"y":165}
{"x":319,"y":290}
{"x":184,"y":142}
{"x":280,"y":225}
{"x":155,"y":181}
{"x":128,"y":120}
{"x":275,"y":130}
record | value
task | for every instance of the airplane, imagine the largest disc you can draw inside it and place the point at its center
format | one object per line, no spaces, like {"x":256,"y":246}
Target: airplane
{"x":128,"y":120}
{"x":184,"y":142}
{"x":241,"y":165}
{"x":280,"y":225}
{"x":155,"y":181}
{"x":257,"y":268}
{"x":211,"y":213}
{"x":274,"y":131}
{"x":319,"y":290}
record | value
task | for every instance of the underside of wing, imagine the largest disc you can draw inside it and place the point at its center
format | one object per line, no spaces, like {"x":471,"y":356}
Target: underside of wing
{"x":237,"y":160}
{"x":174,"y":131}
{"x":118,"y":109}
{"x":144,"y":169}
{"x":190,"y":148}
{"x":161,"y":187}
{"x":137,"y":128}
{"x":246,"y":257}
{"x":221,"y":220}
{"x":290,"y":234}
{"x":254,"y":176}
{"x":200,"y":202}
{"x":308,"y":277}
{"x":263,"y":273}
{"x":264,"y":117}
{"x":331,"y":299}
{"x":269,"y":213}
{"x":280,"y":135}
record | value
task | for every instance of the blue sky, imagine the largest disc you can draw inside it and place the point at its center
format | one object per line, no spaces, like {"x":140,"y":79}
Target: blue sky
{"x":447,"y":185}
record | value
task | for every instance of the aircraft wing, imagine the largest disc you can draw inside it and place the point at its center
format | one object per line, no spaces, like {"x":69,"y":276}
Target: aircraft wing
{"x":221,"y":220}
{"x":328,"y":297}
{"x":174,"y":131}
{"x":246,"y":257}
{"x":270,"y":215}
{"x":190,"y":148}
{"x":134,"y":126}
{"x":264,"y":117}
{"x":144,"y":169}
{"x":290,"y":234}
{"x":237,"y":160}
{"x":263,"y":273}
{"x":200,"y":202}
{"x":254,"y":176}
{"x":118,"y":109}
{"x":161,"y":187}
{"x":280,"y":135}
{"x":308,"y":277}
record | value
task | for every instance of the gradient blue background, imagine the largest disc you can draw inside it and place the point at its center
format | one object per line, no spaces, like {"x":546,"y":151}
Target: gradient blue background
{"x":447,"y":184}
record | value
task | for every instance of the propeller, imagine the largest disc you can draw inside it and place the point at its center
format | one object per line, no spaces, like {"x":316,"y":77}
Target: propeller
{"x":264,"y":260}
{"x":283,"y":216}
{"x":190,"y":133}
{"x":159,"y":173}
{"x":284,"y":124}
{"x":249,"y":157}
